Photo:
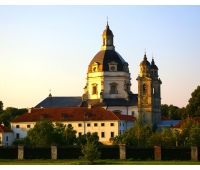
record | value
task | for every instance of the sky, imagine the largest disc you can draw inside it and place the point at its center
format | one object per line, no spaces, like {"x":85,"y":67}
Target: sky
{"x":49,"y":47}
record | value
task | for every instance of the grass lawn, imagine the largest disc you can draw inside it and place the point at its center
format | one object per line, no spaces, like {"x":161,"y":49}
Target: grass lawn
{"x":98,"y":162}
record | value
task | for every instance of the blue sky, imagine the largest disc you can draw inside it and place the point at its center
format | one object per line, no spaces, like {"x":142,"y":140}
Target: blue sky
{"x":50,"y":47}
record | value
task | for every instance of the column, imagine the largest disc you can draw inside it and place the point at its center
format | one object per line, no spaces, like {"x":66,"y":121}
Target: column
{"x":122,"y":151}
{"x":157,"y":153}
{"x":53,"y":152}
{"x":20,"y":152}
{"x":194,"y":153}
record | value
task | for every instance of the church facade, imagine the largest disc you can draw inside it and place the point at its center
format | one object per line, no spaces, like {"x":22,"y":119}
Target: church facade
{"x":108,"y":84}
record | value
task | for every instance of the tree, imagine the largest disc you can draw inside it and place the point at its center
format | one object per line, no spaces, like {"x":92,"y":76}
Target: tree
{"x":64,"y":135}
{"x":1,"y":106}
{"x":46,"y":133}
{"x":137,"y":135}
{"x":91,"y":137}
{"x":9,"y":114}
{"x":189,"y":133}
{"x":193,"y":106}
{"x":90,"y":151}
{"x":42,"y":133}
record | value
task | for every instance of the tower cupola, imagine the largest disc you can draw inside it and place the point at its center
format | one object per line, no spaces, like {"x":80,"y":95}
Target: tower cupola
{"x":107,"y":38}
{"x":154,"y":69}
{"x":145,"y":67}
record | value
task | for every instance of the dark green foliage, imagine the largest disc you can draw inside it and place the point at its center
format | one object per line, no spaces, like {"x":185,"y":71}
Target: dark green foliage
{"x":90,"y":151}
{"x":1,"y":106}
{"x":193,"y":106}
{"x":137,"y":135}
{"x":46,"y":133}
{"x":91,"y":137}
{"x":9,"y":114}
{"x":189,"y":134}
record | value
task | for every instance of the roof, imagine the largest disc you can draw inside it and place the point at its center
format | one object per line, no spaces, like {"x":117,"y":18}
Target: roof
{"x":113,"y":102}
{"x":145,"y":62}
{"x":51,"y":102}
{"x":71,"y":114}
{"x":104,"y":57}
{"x":107,"y":31}
{"x":153,"y":66}
{"x":168,"y":122}
{"x":4,"y":129}
{"x":197,"y":119}
{"x":163,"y":118}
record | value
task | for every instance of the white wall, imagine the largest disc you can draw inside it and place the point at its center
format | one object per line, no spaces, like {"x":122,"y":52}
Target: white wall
{"x":6,"y":138}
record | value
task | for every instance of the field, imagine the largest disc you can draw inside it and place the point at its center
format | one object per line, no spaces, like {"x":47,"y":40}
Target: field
{"x":98,"y":162}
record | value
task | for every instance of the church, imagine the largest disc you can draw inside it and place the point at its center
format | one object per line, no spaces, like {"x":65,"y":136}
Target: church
{"x":108,"y":84}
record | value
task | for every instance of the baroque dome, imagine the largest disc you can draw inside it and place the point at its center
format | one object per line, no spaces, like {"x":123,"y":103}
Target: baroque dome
{"x":104,"y":57}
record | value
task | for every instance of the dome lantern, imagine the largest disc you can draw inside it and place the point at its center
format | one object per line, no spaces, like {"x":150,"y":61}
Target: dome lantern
{"x":107,"y":38}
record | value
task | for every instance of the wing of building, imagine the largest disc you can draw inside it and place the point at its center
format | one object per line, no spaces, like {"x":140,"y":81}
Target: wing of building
{"x":106,"y":123}
{"x":6,"y":136}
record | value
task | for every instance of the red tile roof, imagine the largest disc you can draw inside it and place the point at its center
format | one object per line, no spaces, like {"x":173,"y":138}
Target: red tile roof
{"x":71,"y":114}
{"x":4,"y":129}
{"x":197,"y":119}
{"x":163,"y":118}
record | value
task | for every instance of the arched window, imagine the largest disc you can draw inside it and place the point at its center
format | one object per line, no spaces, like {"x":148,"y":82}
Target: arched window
{"x":113,"y":88}
{"x":144,"y":89}
{"x":94,"y":88}
{"x":144,"y":117}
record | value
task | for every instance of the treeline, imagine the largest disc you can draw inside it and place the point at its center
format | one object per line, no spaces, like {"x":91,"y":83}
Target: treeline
{"x":191,"y":110}
{"x":9,"y":114}
{"x":46,"y":133}
{"x":139,"y":135}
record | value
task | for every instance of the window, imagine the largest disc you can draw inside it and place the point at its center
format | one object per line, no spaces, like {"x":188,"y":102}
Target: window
{"x":79,"y":134}
{"x":95,"y":124}
{"x":79,"y":125}
{"x":113,"y":88}
{"x":111,"y":124}
{"x":95,"y":67}
{"x":144,"y":117}
{"x":63,"y":116}
{"x":119,"y":124}
{"x":133,"y":113}
{"x":103,"y":134}
{"x":120,"y":132}
{"x":28,"y":126}
{"x":17,"y":126}
{"x":17,"y":135}
{"x":6,"y":138}
{"x":94,"y":90}
{"x":102,"y":124}
{"x":88,"y":125}
{"x":112,"y":66}
{"x":123,"y":124}
{"x":144,"y":89}
{"x":111,"y":134}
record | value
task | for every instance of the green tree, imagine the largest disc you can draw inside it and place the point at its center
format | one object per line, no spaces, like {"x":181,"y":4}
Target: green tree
{"x":188,"y":133}
{"x":137,"y":135}
{"x":1,"y":106}
{"x":42,"y":133}
{"x":64,"y":135}
{"x":193,"y":106}
{"x":90,"y":152}
{"x":91,"y":137}
{"x":9,"y":114}
{"x":164,"y":110}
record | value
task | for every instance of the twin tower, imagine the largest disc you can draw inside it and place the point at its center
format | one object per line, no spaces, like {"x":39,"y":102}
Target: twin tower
{"x":109,"y":84}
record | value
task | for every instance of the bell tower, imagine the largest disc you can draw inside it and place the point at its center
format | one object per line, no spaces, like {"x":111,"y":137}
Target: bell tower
{"x":149,"y":101}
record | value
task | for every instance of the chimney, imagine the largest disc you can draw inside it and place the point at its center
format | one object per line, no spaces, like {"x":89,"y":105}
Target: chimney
{"x":29,"y":110}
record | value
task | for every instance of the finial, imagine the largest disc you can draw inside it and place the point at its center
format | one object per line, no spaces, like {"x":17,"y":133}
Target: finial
{"x":152,"y":56}
{"x":107,"y":23}
{"x":145,"y":51}
{"x":50,"y":94}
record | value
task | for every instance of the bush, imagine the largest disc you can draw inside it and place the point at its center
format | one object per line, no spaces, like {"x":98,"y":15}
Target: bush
{"x":90,"y":152}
